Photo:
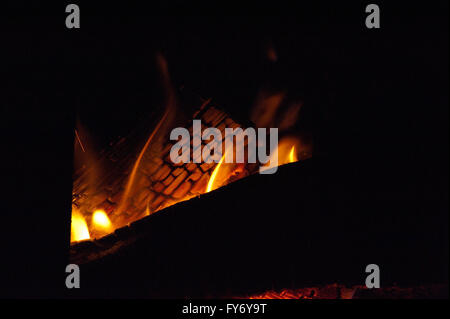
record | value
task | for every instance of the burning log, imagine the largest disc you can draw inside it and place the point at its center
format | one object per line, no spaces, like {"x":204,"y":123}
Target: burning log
{"x":155,"y":182}
{"x":207,"y":230}
{"x":248,"y":240}
{"x":159,"y":181}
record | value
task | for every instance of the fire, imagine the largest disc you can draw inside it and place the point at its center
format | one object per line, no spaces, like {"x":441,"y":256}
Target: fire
{"x":292,"y":155}
{"x":101,"y":220}
{"x":285,"y":153}
{"x":166,"y":118}
{"x":79,"y":228}
{"x":152,"y":182}
{"x":214,"y":175}
{"x":286,"y":294}
{"x":221,"y":174}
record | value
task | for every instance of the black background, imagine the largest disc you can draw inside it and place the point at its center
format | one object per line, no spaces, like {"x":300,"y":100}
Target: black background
{"x":377,"y":101}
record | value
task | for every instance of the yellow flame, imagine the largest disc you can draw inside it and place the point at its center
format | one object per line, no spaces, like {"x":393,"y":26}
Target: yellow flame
{"x":214,"y":174}
{"x":292,"y":155}
{"x":79,"y":229}
{"x":169,"y":110}
{"x":100,"y":219}
{"x":285,"y":153}
{"x":136,"y":165}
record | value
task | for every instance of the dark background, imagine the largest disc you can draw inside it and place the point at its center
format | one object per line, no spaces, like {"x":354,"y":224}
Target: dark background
{"x":376,"y":101}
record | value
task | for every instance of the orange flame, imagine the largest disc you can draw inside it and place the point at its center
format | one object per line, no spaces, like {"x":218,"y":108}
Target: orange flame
{"x":285,"y":153}
{"x":269,"y":111}
{"x":292,"y":155}
{"x":101,"y":220}
{"x":79,"y":229}
{"x":165,"y":119}
{"x":132,"y":176}
{"x":214,"y":175}
{"x":220,"y":174}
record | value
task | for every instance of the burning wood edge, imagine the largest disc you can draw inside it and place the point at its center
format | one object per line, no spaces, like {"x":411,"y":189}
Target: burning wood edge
{"x":90,"y":250}
{"x":339,"y":291}
{"x":184,"y":250}
{"x":159,"y":183}
{"x":86,"y":251}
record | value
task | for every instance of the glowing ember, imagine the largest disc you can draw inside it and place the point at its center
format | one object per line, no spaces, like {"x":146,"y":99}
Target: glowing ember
{"x":286,"y":294}
{"x":101,"y":220}
{"x":79,"y":227}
